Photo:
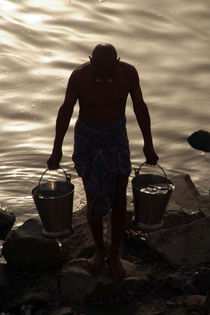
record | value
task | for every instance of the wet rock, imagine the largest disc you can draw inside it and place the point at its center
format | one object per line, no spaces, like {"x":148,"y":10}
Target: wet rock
{"x":185,"y":195}
{"x":200,"y":140}
{"x":78,"y":284}
{"x":185,"y":246}
{"x":203,"y":279}
{"x":27,"y":247}
{"x":205,"y":205}
{"x":7,"y":220}
{"x":177,"y":218}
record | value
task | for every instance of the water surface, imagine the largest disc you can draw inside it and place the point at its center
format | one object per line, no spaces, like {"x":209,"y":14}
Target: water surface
{"x":43,"y":41}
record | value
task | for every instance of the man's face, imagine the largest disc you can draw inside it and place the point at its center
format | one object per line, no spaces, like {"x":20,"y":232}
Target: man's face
{"x":104,"y":66}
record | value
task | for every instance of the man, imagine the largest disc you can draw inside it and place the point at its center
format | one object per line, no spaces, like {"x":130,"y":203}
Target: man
{"x":101,"y":151}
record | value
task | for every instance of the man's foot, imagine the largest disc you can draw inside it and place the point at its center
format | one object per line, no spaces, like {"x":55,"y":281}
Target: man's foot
{"x":96,"y":262}
{"x":116,"y":268}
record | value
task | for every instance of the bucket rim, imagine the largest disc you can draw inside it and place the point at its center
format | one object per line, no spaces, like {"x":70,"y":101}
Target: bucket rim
{"x":36,"y":190}
{"x":170,"y":184}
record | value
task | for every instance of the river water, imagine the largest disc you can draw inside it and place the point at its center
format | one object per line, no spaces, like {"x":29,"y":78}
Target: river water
{"x":43,"y":41}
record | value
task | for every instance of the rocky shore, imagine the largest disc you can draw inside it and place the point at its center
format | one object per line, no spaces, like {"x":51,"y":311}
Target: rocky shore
{"x":167,"y":271}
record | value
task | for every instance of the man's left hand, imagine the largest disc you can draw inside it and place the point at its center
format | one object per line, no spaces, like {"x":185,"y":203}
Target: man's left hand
{"x":151,"y":157}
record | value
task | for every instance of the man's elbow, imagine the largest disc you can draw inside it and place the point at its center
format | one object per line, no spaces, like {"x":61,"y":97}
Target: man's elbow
{"x":140,"y":108}
{"x":66,"y":109}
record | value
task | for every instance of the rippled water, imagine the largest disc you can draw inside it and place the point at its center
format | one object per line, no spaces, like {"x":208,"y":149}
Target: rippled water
{"x":43,"y":41}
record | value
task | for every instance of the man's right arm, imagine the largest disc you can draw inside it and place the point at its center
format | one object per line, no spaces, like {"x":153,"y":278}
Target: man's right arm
{"x":143,"y":118}
{"x":63,"y":120}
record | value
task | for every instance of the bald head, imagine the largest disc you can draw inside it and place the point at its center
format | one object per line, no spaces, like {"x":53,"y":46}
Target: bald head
{"x":104,"y":51}
{"x":104,"y":60}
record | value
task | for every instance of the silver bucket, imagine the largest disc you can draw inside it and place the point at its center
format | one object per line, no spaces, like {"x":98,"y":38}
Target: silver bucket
{"x":151,"y":194}
{"x":54,"y":203}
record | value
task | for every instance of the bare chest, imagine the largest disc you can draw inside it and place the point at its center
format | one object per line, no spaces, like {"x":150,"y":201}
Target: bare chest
{"x":104,"y":92}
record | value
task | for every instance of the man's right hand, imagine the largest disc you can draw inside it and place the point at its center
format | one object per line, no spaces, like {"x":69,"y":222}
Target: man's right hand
{"x":53,"y":162}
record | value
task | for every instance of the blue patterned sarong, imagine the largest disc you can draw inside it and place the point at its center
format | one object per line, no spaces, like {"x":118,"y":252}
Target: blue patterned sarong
{"x":101,"y":154}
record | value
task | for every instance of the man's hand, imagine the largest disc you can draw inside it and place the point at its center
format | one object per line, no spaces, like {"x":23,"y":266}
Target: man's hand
{"x":53,"y":162}
{"x":151,"y":157}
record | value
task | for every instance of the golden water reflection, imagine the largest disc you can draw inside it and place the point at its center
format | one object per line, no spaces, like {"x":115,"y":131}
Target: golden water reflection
{"x":43,"y":41}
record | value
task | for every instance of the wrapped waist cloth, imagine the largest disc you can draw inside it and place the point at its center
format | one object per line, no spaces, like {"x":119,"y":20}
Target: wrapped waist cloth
{"x":101,"y":155}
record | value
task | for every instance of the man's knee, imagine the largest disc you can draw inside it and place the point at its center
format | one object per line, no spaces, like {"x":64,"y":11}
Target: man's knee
{"x":120,"y":203}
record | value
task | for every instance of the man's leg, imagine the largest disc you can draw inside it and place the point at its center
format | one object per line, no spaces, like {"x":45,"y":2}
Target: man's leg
{"x":118,"y":222}
{"x":96,"y":262}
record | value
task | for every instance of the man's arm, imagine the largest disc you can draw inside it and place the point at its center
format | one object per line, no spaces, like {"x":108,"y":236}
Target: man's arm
{"x":143,"y":118}
{"x":62,"y":122}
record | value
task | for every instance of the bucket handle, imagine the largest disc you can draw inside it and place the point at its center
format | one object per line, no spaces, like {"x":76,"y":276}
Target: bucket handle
{"x":68,"y":176}
{"x":137,"y":170}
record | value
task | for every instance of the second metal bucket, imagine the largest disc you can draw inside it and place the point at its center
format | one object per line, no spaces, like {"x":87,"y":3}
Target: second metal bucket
{"x":54,"y":203}
{"x":151,"y":195}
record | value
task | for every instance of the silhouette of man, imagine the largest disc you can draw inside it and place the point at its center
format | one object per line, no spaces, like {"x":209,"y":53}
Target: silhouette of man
{"x":101,"y":150}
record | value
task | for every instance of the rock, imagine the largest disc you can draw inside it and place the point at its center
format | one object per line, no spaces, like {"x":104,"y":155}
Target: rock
{"x":203,"y":279}
{"x":59,"y":311}
{"x":205,"y":205}
{"x":23,"y":298}
{"x":206,"y":304}
{"x":4,"y":283}
{"x":27,"y":247}
{"x":78,"y":284}
{"x":194,"y":300}
{"x":185,"y":194}
{"x":185,"y":246}
{"x":200,"y":140}
{"x":177,"y":218}
{"x":7,"y":220}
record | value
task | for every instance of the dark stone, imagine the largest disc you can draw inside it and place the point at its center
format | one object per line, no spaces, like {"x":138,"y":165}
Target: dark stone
{"x":7,"y":220}
{"x":206,"y":305}
{"x":18,"y":298}
{"x":183,"y":246}
{"x":27,"y":247}
{"x":203,"y":279}
{"x":178,"y":218}
{"x":78,"y":284}
{"x":200,"y":140}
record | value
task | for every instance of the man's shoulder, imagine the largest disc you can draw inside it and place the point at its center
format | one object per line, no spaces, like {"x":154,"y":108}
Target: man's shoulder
{"x":82,"y":67}
{"x":79,"y":73}
{"x":127,"y":66}
{"x":129,"y":71}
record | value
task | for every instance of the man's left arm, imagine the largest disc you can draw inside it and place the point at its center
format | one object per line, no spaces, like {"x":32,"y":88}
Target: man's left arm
{"x":143,"y":118}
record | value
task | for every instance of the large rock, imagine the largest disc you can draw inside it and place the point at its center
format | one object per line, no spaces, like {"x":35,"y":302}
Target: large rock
{"x":23,"y":298}
{"x":203,"y":279}
{"x":185,"y":196}
{"x":78,"y":284}
{"x":207,"y":304}
{"x":7,"y":220}
{"x":184,"y":246}
{"x":28,"y":247}
{"x":200,"y":140}
{"x":205,"y":205}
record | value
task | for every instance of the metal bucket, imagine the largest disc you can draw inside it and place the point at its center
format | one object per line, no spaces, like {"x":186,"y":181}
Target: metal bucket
{"x":151,"y":195}
{"x":54,"y":203}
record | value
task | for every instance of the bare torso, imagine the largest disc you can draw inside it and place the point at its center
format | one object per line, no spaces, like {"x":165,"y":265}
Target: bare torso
{"x":103,"y":102}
